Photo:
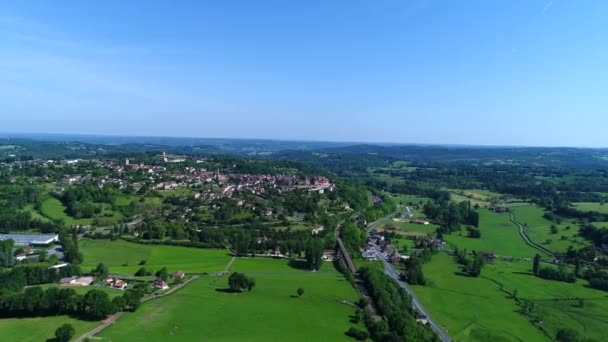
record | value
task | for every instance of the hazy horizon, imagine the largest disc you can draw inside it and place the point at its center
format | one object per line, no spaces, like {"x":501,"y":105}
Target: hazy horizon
{"x":478,"y":73}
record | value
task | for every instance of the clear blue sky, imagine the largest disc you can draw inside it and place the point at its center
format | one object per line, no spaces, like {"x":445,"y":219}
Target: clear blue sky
{"x":492,"y":72}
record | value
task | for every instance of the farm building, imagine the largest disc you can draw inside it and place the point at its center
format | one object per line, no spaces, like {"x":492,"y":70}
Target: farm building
{"x":31,"y":239}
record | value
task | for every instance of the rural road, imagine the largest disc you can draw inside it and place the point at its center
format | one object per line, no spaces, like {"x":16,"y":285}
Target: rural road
{"x":388,"y":268}
{"x":111,"y":319}
{"x":529,"y":242}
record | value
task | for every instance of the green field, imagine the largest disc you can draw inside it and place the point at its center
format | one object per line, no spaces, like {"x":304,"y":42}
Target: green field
{"x":556,"y":303}
{"x":39,"y":328}
{"x":592,"y":206}
{"x":54,"y":209}
{"x":272,"y":312}
{"x":407,"y":228}
{"x":539,"y":229}
{"x":471,"y":309}
{"x":123,"y":257}
{"x":498,"y":235}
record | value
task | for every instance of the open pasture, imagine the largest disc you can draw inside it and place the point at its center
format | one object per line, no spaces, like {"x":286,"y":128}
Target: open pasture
{"x":271,"y":312}
{"x":539,"y":229}
{"x":498,"y":235}
{"x":592,"y":206}
{"x":124,"y":257}
{"x":39,"y":328}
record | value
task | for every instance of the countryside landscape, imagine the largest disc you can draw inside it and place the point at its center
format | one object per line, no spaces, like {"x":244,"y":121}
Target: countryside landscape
{"x":330,"y":244}
{"x":303,"y":171}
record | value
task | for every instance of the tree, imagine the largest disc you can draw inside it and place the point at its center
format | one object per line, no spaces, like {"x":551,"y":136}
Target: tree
{"x":314,"y":254}
{"x":566,"y":335}
{"x":101,"y":270}
{"x":240,"y":282}
{"x":141,"y":272}
{"x":42,"y":256}
{"x":536,"y":264}
{"x":163,"y":274}
{"x":300,"y":291}
{"x":64,"y":333}
{"x":554,"y":229}
{"x":96,"y":305}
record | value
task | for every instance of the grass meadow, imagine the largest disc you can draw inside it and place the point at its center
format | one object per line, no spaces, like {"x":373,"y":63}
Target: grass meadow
{"x":592,"y":206}
{"x":39,"y":328}
{"x":203,"y":311}
{"x":472,"y":309}
{"x":498,"y":235}
{"x":123,"y":257}
{"x":539,"y":229}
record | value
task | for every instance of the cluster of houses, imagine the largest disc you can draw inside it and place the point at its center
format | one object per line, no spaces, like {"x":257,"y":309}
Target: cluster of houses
{"x":115,"y":282}
{"x":159,"y":179}
{"x":378,"y":248}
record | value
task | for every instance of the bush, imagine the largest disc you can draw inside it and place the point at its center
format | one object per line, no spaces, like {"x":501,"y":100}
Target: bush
{"x":64,"y":333}
{"x":358,"y":334}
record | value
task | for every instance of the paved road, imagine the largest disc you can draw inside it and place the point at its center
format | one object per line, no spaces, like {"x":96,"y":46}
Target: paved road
{"x":388,"y":268}
{"x":376,"y":223}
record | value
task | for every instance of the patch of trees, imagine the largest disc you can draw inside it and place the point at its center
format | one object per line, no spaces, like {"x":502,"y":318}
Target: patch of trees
{"x":598,"y":279}
{"x":35,"y":302}
{"x":239,"y":282}
{"x":69,"y":244}
{"x":473,"y":232}
{"x":64,"y":333}
{"x":353,"y":237}
{"x":568,"y":211}
{"x":14,"y":219}
{"x":34,"y":274}
{"x":449,"y":215}
{"x":358,"y":334}
{"x":80,"y":201}
{"x":472,"y":265}
{"x":7,"y":258}
{"x":314,"y":254}
{"x":559,"y":274}
{"x":592,"y":233}
{"x":395,"y":305}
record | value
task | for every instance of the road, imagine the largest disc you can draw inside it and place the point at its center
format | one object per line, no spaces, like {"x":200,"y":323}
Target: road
{"x":529,"y":242}
{"x":111,"y":319}
{"x":388,"y":268}
{"x":376,"y":223}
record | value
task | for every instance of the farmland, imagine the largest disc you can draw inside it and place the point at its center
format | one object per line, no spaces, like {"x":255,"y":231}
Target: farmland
{"x":474,"y":308}
{"x":539,"y":229}
{"x":203,"y":311}
{"x":471,"y":309}
{"x":498,"y":235}
{"x":39,"y":328}
{"x":591,"y":206}
{"x":124,"y":257}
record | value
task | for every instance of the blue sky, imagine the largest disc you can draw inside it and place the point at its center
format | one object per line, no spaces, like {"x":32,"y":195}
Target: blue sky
{"x":491,"y":72}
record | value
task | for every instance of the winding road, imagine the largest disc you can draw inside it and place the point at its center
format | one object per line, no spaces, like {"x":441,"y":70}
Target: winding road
{"x":524,"y":236}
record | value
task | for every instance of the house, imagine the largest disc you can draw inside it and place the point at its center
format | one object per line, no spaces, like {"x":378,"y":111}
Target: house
{"x":178,"y":275}
{"x":119,"y":284}
{"x":488,"y":255}
{"x":116,"y":283}
{"x":160,"y":284}
{"x":329,"y":255}
{"x":420,"y":222}
{"x":500,"y":210}
{"x":67,"y":280}
{"x":76,"y":281}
